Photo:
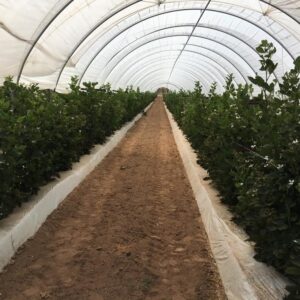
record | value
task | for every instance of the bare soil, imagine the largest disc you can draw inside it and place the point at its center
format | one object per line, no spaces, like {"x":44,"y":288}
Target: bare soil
{"x":131,"y":230}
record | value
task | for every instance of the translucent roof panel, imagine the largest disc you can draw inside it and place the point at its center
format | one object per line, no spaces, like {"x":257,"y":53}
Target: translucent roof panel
{"x":143,"y":43}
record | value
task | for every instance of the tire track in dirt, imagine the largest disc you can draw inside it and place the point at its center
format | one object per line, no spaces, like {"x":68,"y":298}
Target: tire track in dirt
{"x":131,"y":230}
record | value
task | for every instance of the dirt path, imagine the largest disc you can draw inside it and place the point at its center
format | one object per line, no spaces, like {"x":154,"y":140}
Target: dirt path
{"x":130,"y":231}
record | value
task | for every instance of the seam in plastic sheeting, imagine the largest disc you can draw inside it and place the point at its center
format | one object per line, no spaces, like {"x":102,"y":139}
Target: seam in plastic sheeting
{"x":243,"y":277}
{"x":26,"y":221}
{"x":8,"y":31}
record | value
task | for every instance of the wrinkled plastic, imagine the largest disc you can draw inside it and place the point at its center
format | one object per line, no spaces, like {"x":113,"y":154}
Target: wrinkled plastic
{"x":47,"y":42}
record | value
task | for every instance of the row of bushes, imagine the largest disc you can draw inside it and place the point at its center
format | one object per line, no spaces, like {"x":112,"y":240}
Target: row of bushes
{"x":42,"y":132}
{"x":250,"y":146}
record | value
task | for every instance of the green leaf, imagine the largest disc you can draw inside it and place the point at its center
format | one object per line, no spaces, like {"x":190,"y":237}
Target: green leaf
{"x":294,"y":271}
{"x":297,"y":63}
{"x":258,"y":80}
{"x":271,"y":66}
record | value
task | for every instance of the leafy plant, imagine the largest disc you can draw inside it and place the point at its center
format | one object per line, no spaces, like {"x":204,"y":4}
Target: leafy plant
{"x":250,"y":147}
{"x":43,"y":132}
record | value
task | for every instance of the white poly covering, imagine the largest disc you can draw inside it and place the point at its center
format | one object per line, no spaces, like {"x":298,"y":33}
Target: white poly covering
{"x":145,"y":43}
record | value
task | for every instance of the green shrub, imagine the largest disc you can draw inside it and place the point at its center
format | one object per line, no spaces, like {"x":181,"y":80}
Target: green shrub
{"x":250,"y":146}
{"x":43,"y":133}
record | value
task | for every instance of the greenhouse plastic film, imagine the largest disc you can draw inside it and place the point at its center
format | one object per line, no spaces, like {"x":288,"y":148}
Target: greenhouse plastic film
{"x":65,"y":38}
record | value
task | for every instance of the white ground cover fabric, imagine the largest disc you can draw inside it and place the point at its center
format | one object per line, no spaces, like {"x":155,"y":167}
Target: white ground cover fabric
{"x":243,"y":277}
{"x":165,"y":42}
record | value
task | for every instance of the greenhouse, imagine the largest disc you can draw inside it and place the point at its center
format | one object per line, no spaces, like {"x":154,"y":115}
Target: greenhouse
{"x":149,"y":149}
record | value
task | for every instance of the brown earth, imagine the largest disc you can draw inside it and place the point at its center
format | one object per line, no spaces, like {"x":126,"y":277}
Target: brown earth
{"x":131,"y":230}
